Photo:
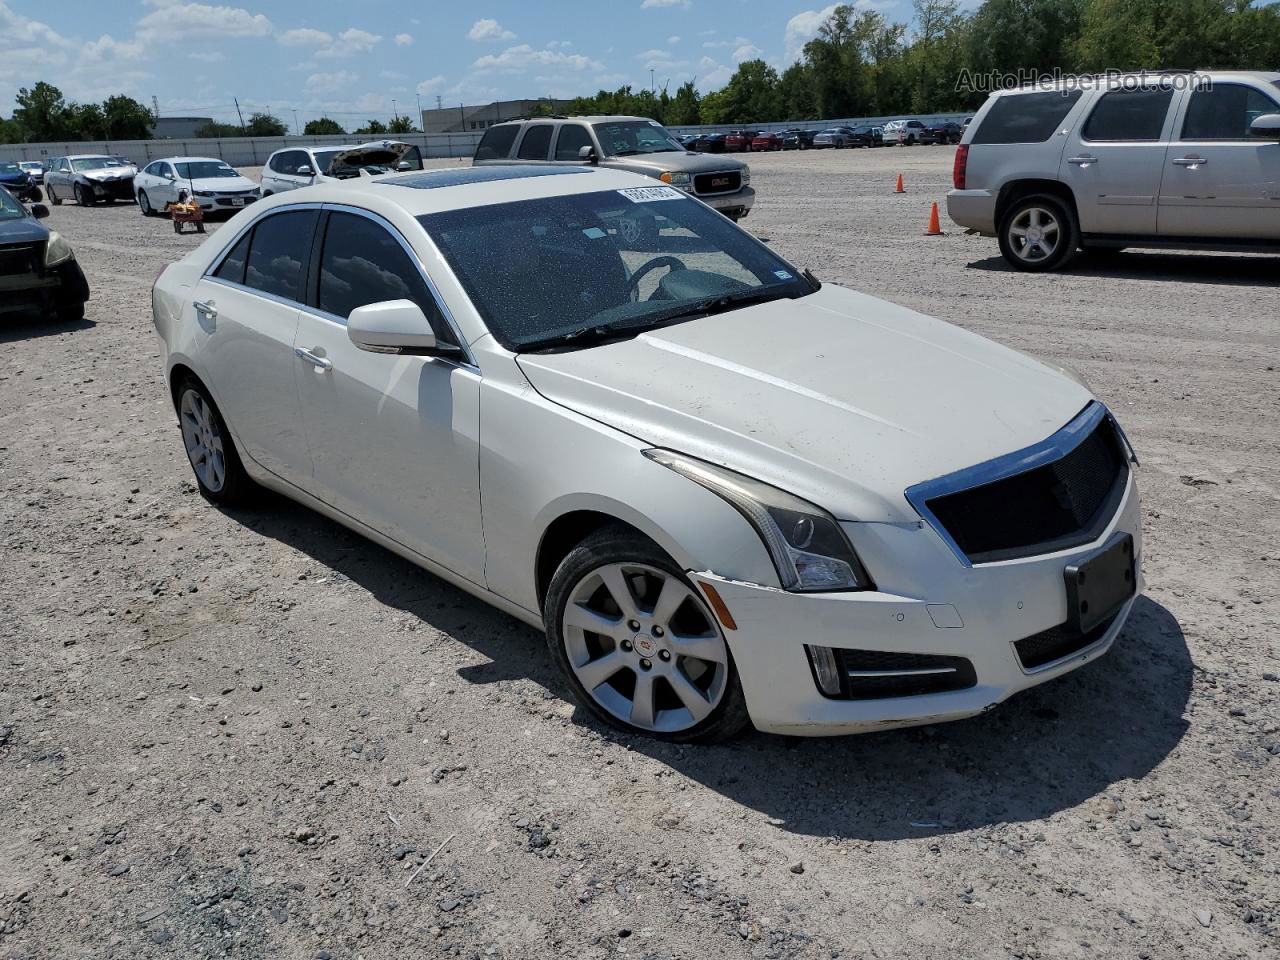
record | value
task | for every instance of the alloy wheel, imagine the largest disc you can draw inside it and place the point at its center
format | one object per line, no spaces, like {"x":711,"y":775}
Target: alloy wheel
{"x":645,"y":647}
{"x":203,"y":440}
{"x":144,"y":203}
{"x":1034,"y":234}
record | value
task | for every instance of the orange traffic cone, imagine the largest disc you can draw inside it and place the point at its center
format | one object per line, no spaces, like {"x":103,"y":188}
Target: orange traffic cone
{"x":900,"y":188}
{"x":935,"y":229}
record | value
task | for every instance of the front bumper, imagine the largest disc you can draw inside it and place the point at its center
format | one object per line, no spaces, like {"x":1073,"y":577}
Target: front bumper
{"x":227,"y":204}
{"x":120,"y":189}
{"x":975,"y":209}
{"x":46,"y":290}
{"x":737,"y":204}
{"x":927,"y":603}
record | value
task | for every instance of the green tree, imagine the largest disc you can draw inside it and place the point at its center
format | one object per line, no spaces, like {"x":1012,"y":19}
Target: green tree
{"x":684,"y":106}
{"x":1117,"y":35}
{"x":322,"y":127}
{"x":750,"y":96}
{"x":126,"y":119}
{"x":795,"y":89}
{"x":11,"y":131}
{"x":402,"y":125}
{"x":373,"y":127}
{"x":85,"y":121}
{"x":214,"y":129}
{"x":265,"y":125}
{"x":42,"y":112}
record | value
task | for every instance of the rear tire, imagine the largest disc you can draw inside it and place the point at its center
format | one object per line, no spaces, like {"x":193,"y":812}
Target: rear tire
{"x":1039,"y":233}
{"x":211,"y":451}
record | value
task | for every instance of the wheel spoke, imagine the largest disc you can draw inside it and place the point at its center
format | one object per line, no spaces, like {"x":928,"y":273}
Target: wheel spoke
{"x":584,"y":618}
{"x":642,"y":702}
{"x":689,"y":695}
{"x":615,"y":581}
{"x":1017,"y":231}
{"x":709,"y":648}
{"x":1033,"y":217}
{"x":670,"y":598}
{"x":595,"y":672}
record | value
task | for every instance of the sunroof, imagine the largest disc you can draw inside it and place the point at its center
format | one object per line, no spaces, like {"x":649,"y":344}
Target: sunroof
{"x":433,"y":179}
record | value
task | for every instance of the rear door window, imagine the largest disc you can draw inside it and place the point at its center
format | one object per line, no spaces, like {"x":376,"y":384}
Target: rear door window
{"x":1026,"y":117}
{"x":232,"y":267}
{"x":278,"y":254}
{"x":1129,"y":115}
{"x":496,"y":142}
{"x":536,"y":142}
{"x":1225,"y":112}
{"x":363,"y":263}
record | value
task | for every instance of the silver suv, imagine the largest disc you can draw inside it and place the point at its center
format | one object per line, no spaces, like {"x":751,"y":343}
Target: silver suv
{"x":1183,"y":160}
{"x":633,"y":144}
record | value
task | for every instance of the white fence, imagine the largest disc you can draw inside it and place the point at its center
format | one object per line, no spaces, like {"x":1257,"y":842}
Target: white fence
{"x":253,"y":151}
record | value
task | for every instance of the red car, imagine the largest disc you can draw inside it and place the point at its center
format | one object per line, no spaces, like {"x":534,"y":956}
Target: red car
{"x":766,"y":141}
{"x":739,"y":140}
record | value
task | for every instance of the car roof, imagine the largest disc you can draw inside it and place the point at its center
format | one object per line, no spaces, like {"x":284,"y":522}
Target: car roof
{"x":588,"y":117}
{"x":189,"y":160}
{"x":457,"y":188}
{"x":90,"y":156}
{"x":1267,"y":76}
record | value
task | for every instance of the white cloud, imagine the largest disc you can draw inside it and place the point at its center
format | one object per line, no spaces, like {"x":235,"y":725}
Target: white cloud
{"x":748,"y":51}
{"x":304,"y":37}
{"x":404,"y":40}
{"x":717,"y":75}
{"x":488,"y":29}
{"x":350,"y":42}
{"x":199,"y":21}
{"x":802,"y":28}
{"x":735,"y":42}
{"x":652,"y":4}
{"x":430,"y":86}
{"x":207,"y":56}
{"x":523,"y":57}
{"x":673,"y":39}
{"x":559,"y":43}
{"x":330,"y":82}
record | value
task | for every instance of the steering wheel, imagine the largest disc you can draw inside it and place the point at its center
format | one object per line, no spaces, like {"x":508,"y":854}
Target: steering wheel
{"x":633,"y":282}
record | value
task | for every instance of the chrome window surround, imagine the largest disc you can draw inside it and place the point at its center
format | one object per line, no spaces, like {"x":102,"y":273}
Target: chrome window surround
{"x":1040,"y":454}
{"x":466,"y":359}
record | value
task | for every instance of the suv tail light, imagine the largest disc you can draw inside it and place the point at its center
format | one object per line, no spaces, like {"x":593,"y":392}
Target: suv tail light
{"x":960,"y":168}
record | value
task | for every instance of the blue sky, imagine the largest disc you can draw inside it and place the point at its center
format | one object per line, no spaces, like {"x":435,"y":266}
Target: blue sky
{"x":350,"y":60}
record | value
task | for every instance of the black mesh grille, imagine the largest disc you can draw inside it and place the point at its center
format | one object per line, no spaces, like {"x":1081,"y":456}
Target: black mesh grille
{"x":19,"y":259}
{"x":1059,"y":505}
{"x":726,"y":182}
{"x":959,"y":677}
{"x":1057,"y":642}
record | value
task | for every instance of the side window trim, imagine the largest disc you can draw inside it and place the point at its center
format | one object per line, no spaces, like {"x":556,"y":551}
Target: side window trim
{"x":274,"y":298}
{"x":432,"y":289}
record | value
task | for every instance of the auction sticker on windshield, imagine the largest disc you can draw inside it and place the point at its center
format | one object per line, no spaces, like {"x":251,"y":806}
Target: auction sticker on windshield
{"x":647,"y":194}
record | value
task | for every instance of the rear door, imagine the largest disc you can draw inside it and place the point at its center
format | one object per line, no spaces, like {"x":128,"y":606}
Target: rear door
{"x":247,"y":309}
{"x":1219,"y":181}
{"x":1114,"y":160}
{"x":394,"y":439}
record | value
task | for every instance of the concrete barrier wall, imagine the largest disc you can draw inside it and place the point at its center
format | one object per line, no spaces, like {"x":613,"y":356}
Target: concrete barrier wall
{"x":253,"y":151}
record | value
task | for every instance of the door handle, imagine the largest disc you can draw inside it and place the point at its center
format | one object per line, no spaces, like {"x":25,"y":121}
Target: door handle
{"x":320,"y":363}
{"x":1189,"y":161}
{"x":206,"y":307}
{"x":1082,"y":161}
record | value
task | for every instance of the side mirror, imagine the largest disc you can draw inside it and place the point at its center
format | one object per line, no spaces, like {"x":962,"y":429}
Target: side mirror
{"x":404,"y":165}
{"x":305,"y":171}
{"x":588,"y":153}
{"x":39,"y":211}
{"x":1266,"y":126}
{"x":394,"y":326}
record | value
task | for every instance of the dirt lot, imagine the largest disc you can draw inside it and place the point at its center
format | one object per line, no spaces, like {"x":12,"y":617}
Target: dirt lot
{"x":244,"y":734}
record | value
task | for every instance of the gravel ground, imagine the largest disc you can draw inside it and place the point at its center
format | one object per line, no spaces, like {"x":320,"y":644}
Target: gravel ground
{"x":252,"y":734}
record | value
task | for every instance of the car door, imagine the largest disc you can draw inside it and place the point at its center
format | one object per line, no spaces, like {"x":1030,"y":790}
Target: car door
{"x":1218,"y":180}
{"x":394,"y":440}
{"x":167,"y":187}
{"x":535,"y":142}
{"x":246,"y":307}
{"x":570,"y":139}
{"x":1113,"y":161}
{"x":59,"y":176}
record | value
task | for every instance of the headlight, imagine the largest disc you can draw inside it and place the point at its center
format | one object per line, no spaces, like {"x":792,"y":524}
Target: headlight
{"x":808,"y":548}
{"x":746,"y":176}
{"x":204,"y":193}
{"x":57,"y":250}
{"x":677,"y":179}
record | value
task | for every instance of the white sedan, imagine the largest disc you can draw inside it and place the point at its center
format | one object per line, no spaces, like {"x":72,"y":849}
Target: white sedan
{"x":727,"y":493}
{"x":212,"y":183}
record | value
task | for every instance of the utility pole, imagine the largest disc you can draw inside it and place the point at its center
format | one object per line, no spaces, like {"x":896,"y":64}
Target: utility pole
{"x":295,"y":121}
{"x":651,"y":80}
{"x":239,"y":114}
{"x":394,"y":113}
{"x":418,"y":98}
{"x":155,"y":107}
{"x":439,"y":102}
{"x":462,"y":117}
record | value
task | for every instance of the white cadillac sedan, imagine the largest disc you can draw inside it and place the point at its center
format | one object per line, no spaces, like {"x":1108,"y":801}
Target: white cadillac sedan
{"x":728,"y":493}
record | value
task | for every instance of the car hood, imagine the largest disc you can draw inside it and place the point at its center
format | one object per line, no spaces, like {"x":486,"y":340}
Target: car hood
{"x":19,"y":177}
{"x":838,"y":397}
{"x":377,"y":153}
{"x":109,"y":173}
{"x":23,"y":230}
{"x":676,"y":161}
{"x":223,"y":184}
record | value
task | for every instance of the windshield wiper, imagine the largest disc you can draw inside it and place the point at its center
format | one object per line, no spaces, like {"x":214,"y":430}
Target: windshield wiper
{"x":582,"y":337}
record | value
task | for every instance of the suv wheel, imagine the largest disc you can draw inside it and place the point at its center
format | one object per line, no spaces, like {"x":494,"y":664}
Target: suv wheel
{"x":638,"y":645}
{"x":1038,"y":233}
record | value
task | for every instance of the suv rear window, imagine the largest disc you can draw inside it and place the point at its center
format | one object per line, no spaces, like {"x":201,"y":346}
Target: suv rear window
{"x":1025,"y":117}
{"x":496,"y":142}
{"x":1129,"y":115}
{"x":536,"y":142}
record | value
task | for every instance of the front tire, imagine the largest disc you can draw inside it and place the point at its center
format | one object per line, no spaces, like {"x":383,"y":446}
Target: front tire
{"x":637,"y":643}
{"x":1038,"y":234}
{"x":210,"y":449}
{"x":79,"y":193}
{"x":144,"y":204}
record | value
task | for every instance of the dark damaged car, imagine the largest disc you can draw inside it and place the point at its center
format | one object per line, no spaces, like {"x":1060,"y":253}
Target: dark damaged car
{"x":38,"y":269}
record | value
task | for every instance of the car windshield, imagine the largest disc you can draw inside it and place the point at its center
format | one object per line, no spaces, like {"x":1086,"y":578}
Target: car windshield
{"x":626,"y":138}
{"x":10,"y":209}
{"x":29,"y":164}
{"x":9,"y":168}
{"x":564,"y":272}
{"x":204,"y":170}
{"x":95,"y":163}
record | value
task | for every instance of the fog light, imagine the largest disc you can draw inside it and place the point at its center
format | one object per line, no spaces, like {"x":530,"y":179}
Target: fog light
{"x":825,"y":669}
